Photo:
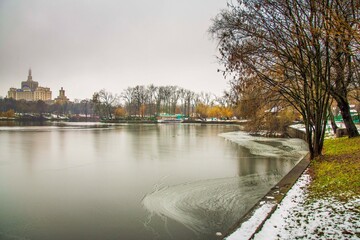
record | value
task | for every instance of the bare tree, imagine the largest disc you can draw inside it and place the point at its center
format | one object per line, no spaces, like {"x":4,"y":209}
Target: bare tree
{"x":281,"y":43}
{"x":175,"y":96}
{"x":206,"y":98}
{"x":140,"y":98}
{"x":128,"y":96}
{"x":151,"y":92}
{"x":86,"y":107}
{"x":341,"y":30}
{"x":105,"y":102}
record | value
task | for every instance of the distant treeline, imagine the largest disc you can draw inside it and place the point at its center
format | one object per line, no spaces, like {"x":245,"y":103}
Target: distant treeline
{"x":40,"y":107}
{"x":133,"y":102}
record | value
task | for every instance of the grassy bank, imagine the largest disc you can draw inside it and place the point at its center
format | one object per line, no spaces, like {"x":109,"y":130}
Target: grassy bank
{"x":337,"y":173}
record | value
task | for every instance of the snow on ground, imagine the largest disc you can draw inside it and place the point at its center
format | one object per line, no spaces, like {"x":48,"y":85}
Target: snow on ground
{"x":298,"y":218}
{"x":249,"y":227}
{"x":329,"y":131}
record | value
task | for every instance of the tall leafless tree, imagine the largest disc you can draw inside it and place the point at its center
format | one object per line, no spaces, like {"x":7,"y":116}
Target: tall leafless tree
{"x":282,"y":43}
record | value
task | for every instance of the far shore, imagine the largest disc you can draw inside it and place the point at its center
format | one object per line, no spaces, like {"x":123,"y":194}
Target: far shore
{"x":75,"y":118}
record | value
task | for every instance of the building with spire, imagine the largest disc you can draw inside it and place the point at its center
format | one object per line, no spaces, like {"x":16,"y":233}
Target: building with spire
{"x":30,"y":91}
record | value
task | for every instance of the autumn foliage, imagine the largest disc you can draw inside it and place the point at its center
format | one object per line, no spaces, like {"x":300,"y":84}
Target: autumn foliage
{"x":8,"y":114}
{"x":218,"y":112}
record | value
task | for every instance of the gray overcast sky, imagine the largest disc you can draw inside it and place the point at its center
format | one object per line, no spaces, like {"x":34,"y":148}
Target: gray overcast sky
{"x":87,"y":45}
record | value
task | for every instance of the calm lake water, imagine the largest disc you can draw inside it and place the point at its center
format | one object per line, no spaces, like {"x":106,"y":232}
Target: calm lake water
{"x":175,"y":181}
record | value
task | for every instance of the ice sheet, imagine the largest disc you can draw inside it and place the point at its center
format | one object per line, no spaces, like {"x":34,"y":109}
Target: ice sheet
{"x":269,"y":147}
{"x":209,"y":206}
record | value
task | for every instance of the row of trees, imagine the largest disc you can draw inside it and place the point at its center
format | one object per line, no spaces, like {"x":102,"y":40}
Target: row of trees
{"x":298,"y":53}
{"x":40,"y":107}
{"x":150,"y":101}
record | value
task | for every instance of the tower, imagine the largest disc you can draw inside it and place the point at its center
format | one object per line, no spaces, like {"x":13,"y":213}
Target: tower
{"x":62,"y":93}
{"x":29,"y":84}
{"x":61,"y":99}
{"x":29,"y":76}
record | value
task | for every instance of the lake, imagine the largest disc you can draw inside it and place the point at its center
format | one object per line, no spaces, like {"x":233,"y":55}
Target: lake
{"x":165,"y":181}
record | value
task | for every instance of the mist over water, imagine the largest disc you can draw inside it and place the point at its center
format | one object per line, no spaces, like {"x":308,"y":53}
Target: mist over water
{"x":86,"y":181}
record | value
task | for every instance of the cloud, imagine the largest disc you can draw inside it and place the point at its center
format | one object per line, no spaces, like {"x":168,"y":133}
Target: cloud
{"x":85,"y":46}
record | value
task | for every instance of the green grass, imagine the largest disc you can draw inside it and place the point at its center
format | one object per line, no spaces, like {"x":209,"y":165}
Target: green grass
{"x":341,"y":146}
{"x":337,"y":172}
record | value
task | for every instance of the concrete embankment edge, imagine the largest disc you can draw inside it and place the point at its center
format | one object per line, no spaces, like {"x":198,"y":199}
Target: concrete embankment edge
{"x":275,"y":195}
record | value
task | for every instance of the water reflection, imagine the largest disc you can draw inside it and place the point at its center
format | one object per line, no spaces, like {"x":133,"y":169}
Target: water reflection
{"x":80,"y":181}
{"x":223,"y":201}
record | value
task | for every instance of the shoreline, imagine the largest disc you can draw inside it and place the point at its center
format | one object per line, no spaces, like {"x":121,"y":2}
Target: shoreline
{"x":272,"y":198}
{"x":289,"y":215}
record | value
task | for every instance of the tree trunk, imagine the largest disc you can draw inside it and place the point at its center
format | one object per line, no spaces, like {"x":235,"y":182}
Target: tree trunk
{"x":332,"y":120}
{"x":345,"y":113}
{"x":309,"y":140}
